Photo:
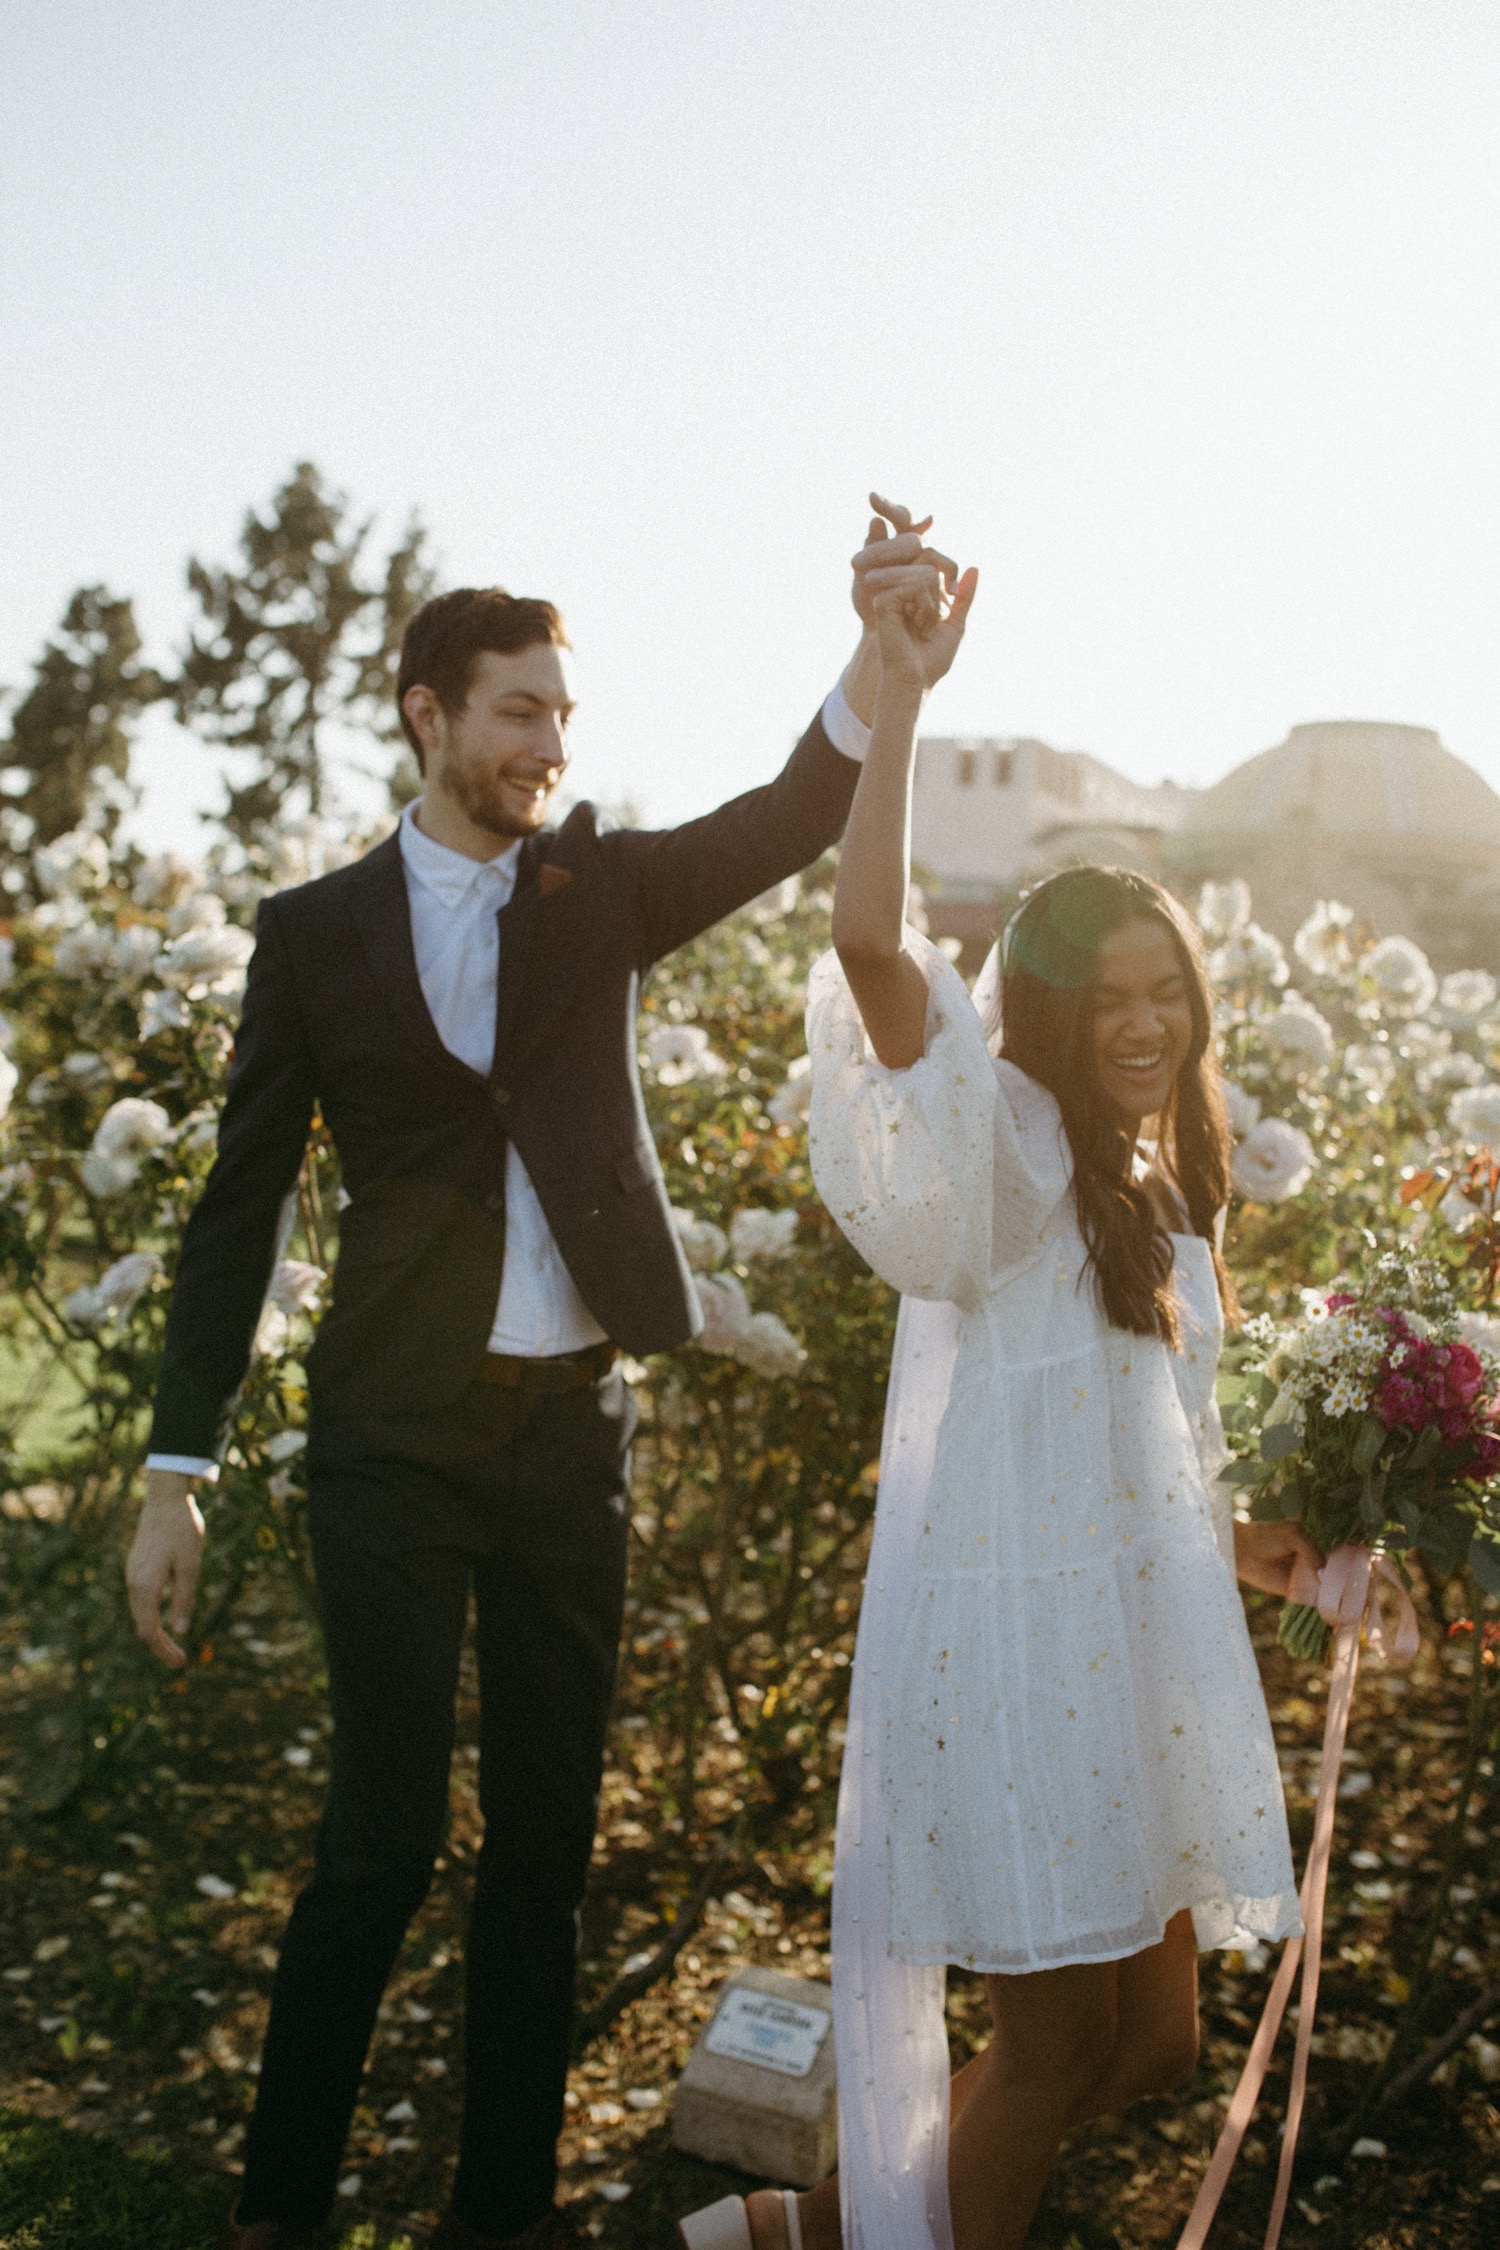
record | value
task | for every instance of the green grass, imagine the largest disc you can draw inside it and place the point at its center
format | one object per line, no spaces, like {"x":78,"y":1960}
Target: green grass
{"x":62,"y":2190}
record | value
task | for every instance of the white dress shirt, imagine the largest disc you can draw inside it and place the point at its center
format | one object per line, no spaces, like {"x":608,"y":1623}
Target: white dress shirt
{"x":454,"y":901}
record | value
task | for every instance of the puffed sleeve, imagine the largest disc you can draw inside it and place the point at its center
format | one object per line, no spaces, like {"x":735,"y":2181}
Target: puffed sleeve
{"x":941,"y":1174}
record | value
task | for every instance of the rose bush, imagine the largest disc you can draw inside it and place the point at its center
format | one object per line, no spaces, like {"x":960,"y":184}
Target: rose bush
{"x":1353,"y":1073}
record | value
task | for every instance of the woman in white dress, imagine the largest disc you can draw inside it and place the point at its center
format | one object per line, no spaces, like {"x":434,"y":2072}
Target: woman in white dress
{"x":1059,"y":1770}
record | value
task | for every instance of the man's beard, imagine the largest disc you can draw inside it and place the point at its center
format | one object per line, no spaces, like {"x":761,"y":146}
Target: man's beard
{"x":479,"y":795}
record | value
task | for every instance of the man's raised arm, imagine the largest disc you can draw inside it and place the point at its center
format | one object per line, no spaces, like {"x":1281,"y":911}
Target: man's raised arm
{"x":228,"y":1247}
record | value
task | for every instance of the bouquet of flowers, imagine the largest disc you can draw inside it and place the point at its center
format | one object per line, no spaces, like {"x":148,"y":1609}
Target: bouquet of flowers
{"x":1374,"y":1421}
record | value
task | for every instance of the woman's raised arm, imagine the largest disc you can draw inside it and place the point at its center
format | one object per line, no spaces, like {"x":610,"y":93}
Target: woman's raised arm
{"x":919,"y":621}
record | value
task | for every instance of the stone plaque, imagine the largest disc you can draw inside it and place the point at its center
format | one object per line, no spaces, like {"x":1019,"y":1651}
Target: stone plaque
{"x":759,"y":2089}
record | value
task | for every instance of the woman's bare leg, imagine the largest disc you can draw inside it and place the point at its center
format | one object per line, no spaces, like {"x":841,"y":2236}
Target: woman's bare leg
{"x":1156,"y":2039}
{"x":1069,"y":2044}
{"x":1054,"y":2034}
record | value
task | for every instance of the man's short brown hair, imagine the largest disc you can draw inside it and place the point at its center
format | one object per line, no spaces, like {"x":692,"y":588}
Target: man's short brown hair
{"x":441,"y":642}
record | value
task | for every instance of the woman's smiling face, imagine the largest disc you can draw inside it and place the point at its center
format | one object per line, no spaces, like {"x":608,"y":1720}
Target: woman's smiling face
{"x":1143,"y":1017}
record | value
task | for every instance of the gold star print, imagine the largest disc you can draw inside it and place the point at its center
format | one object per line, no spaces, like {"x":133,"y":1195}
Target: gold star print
{"x":1072,"y":1714}
{"x":1260,"y":1812}
{"x":1177,"y":1730}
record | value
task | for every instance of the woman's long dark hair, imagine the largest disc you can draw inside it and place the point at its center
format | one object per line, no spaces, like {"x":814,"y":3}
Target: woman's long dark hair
{"x":1049,"y":967}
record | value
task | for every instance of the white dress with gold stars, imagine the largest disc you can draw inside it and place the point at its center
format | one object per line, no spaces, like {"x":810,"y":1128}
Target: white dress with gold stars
{"x":1058,"y":1736}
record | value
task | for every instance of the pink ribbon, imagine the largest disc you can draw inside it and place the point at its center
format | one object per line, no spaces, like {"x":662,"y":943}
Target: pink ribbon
{"x":1347,"y":1593}
{"x":1349,"y":1590}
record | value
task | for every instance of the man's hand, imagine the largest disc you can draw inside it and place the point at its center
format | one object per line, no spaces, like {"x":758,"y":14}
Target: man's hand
{"x":1265,"y":1553}
{"x":164,"y":1559}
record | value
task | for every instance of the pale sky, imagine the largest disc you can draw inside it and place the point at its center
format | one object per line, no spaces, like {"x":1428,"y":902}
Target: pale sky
{"x":1181,"y":315}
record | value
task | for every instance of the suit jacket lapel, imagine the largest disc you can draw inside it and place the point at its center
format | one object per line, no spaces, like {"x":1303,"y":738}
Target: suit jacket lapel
{"x":545,"y":935}
{"x":382,"y":914}
{"x":517,"y":919}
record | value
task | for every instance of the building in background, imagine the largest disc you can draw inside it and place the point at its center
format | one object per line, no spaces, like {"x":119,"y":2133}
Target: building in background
{"x":1380,"y":816}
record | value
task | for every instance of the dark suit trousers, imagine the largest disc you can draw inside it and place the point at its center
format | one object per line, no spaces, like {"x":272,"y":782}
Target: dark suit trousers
{"x":526,"y":1503}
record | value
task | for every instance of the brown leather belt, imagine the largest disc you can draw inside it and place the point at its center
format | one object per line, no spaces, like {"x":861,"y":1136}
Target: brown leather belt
{"x":569,"y":1371}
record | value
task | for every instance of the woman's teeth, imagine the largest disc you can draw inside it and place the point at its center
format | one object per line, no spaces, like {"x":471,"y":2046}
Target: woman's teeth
{"x":1143,"y":1063}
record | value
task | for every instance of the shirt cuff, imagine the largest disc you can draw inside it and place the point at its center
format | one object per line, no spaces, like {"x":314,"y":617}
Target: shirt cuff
{"x":848,"y":734}
{"x":184,"y":1465}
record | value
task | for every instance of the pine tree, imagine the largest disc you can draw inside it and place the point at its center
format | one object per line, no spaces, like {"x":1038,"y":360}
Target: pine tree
{"x":296,"y":643}
{"x":79,"y":712}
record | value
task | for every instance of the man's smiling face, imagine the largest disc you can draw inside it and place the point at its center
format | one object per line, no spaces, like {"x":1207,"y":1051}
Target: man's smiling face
{"x":499,"y":760}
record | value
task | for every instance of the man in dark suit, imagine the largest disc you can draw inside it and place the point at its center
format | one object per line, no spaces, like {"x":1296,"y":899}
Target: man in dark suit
{"x":460,"y":1005}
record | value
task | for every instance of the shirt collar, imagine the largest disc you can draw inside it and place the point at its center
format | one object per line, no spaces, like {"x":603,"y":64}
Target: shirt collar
{"x":452,"y":876}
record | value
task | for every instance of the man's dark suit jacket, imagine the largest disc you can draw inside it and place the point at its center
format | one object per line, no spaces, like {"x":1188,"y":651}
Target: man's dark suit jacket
{"x":334,"y":1017}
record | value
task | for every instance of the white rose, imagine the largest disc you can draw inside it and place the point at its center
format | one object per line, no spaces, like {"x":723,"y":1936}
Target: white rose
{"x":135,"y":949}
{"x":1298,"y":1035}
{"x":1467,"y":993}
{"x":1322,"y":943}
{"x":162,"y":880}
{"x":70,"y":863}
{"x":1272,"y":1162}
{"x":758,"y":1233}
{"x":1370,"y":1067}
{"x":793,"y":1098}
{"x":164,"y":1011}
{"x":726,"y":1311}
{"x":1457,"y":1069}
{"x":10,"y":1078}
{"x":769,"y":1348}
{"x":131,"y":1127}
{"x":84,"y":951}
{"x":1223,"y":908}
{"x":126,"y":1132}
{"x":296,"y":1286}
{"x":1475,"y":1113}
{"x":200,"y":910}
{"x":1399,"y":975}
{"x":7,"y":959}
{"x":1422,"y":1042}
{"x":678,"y":1052}
{"x":285,"y":1444}
{"x":1248,"y":953}
{"x":117,"y":1292}
{"x":703,"y":1244}
{"x":1243,"y":1109}
{"x":108,"y":1175}
{"x":205,"y":960}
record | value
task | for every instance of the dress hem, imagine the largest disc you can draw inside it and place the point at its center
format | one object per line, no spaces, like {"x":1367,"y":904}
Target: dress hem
{"x":1239,"y":1939}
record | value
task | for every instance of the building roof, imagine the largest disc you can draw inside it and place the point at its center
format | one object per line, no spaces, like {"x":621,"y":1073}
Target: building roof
{"x":1353,"y":778}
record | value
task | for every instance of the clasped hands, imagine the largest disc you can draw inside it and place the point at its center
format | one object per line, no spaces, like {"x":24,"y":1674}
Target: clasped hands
{"x":909,"y":597}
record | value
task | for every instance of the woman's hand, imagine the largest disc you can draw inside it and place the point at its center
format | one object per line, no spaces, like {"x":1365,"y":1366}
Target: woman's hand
{"x":1264,"y":1554}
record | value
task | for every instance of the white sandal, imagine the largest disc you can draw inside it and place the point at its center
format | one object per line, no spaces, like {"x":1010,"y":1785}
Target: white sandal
{"x":725,"y":2225}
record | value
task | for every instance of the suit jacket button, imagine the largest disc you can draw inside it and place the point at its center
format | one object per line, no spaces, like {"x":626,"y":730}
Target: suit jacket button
{"x":499,"y":1096}
{"x":494,"y":1203}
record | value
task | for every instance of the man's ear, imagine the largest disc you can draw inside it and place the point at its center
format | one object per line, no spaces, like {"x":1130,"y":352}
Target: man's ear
{"x":422,"y":709}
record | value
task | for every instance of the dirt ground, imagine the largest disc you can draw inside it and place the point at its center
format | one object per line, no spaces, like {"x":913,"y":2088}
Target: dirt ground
{"x":139,"y":1935}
